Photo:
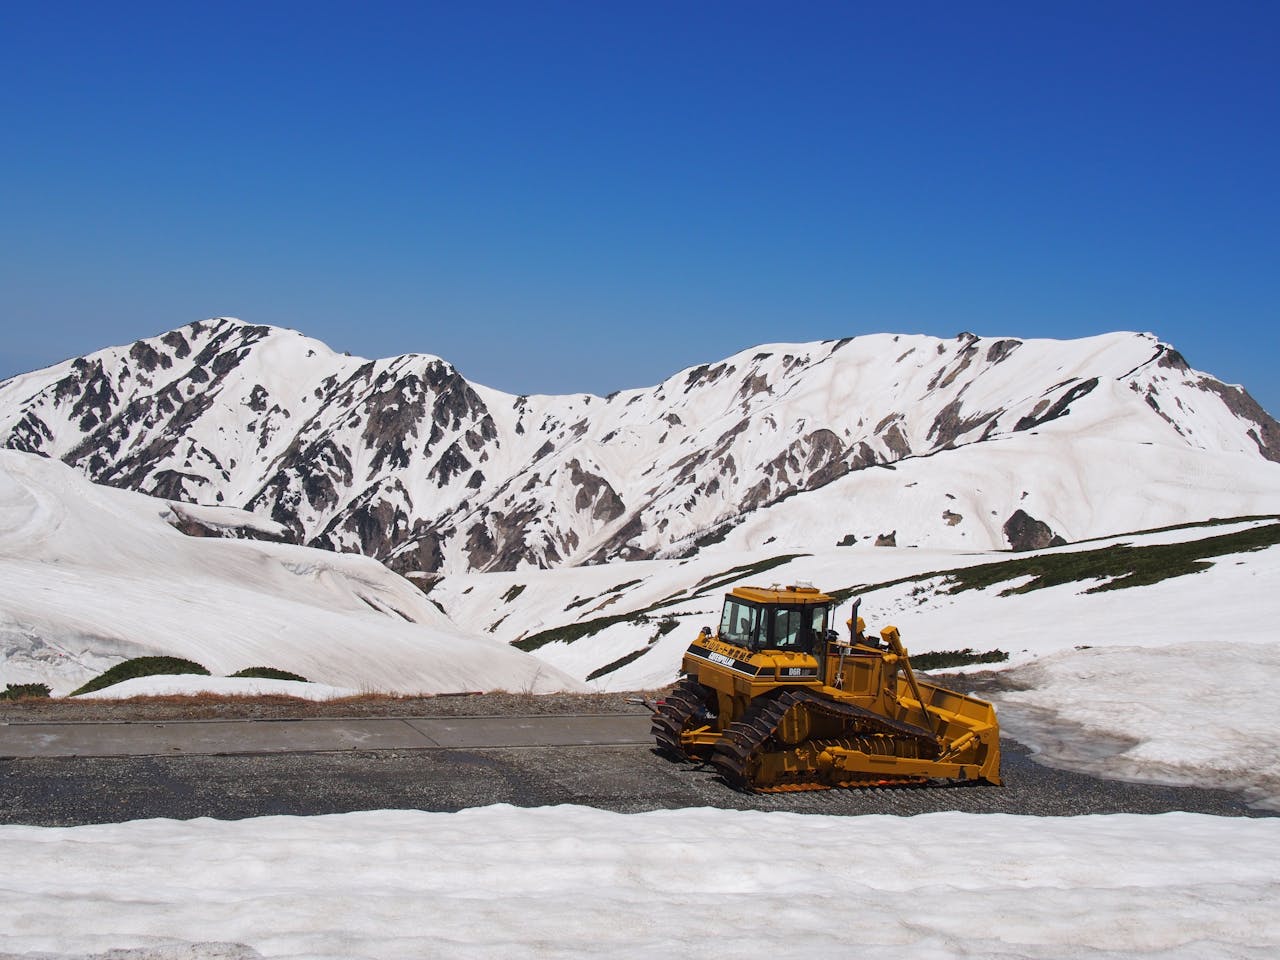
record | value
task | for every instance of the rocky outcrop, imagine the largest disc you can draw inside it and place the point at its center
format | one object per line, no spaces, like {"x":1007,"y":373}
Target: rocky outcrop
{"x":1265,"y":432}
{"x":1046,"y":410}
{"x":951,"y":423}
{"x":1025,"y":532}
{"x":228,"y":529}
{"x":595,"y":494}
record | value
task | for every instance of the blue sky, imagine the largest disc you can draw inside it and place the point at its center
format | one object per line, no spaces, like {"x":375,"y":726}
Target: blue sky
{"x":589,"y":196}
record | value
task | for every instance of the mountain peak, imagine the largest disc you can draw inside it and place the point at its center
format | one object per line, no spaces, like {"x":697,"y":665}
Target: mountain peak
{"x":404,"y":459}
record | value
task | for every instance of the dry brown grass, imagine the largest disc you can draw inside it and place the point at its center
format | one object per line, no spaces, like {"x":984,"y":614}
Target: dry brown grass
{"x":210,"y":706}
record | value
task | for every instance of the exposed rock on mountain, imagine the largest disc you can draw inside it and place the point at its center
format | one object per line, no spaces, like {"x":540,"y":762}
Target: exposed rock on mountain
{"x":405,"y":460}
{"x":225,"y":522}
{"x":1025,"y":532}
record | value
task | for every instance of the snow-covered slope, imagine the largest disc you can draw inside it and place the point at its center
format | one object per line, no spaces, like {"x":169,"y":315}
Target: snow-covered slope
{"x":570,"y":883}
{"x":654,"y":608}
{"x":963,"y":443}
{"x":90,"y":576}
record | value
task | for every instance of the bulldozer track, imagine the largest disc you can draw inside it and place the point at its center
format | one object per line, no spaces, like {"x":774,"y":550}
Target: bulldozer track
{"x":672,"y":716}
{"x":749,"y":738}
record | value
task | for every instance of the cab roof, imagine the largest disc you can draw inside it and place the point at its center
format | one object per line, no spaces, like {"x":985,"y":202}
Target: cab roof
{"x":793,"y":594}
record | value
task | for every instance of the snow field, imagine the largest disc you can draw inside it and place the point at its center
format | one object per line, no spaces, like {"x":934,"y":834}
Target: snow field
{"x":571,"y":881}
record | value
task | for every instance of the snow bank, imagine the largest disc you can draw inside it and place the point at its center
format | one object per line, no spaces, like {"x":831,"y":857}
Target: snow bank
{"x":1193,"y":713}
{"x":577,"y":882}
{"x":190,"y":684}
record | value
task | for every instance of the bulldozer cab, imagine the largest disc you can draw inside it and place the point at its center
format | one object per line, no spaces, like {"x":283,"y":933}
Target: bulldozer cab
{"x":790,"y":620}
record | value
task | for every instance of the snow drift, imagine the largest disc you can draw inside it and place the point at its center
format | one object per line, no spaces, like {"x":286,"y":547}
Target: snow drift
{"x":91,"y":576}
{"x":501,"y":882}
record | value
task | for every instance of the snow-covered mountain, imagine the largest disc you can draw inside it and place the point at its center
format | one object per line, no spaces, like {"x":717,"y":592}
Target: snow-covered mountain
{"x":903,"y":440}
{"x":91,"y":576}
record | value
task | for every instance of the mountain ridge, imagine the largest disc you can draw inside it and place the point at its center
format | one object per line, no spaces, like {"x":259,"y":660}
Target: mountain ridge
{"x":404,"y":459}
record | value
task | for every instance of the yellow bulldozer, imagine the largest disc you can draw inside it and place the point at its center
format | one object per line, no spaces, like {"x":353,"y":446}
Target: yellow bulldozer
{"x":778,"y":700}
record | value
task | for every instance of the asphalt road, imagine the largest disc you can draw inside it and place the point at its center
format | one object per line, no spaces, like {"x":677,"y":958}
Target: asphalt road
{"x":245,"y":736}
{"x":505,"y":760}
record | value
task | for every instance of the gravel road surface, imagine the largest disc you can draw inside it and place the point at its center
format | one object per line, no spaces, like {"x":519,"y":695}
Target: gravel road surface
{"x":67,"y":791}
{"x":62,"y":792}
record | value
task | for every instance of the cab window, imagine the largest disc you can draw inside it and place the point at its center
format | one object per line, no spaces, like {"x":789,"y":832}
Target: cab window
{"x":738,"y":623}
{"x":818,"y":621}
{"x":786,"y":628}
{"x":798,"y":628}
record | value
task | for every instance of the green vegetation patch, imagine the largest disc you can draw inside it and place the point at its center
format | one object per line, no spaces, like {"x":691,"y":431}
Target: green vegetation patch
{"x":141,"y":667}
{"x":665,"y":626}
{"x":942,"y":659}
{"x":514,"y":592}
{"x":622,"y":586}
{"x":617,"y":664}
{"x":268,"y":673}
{"x":1193,"y":525}
{"x":574,"y":631}
{"x":23,"y":691}
{"x":583,"y":601}
{"x":1118,"y":567}
{"x":1115,"y":567}
{"x":718,"y":580}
